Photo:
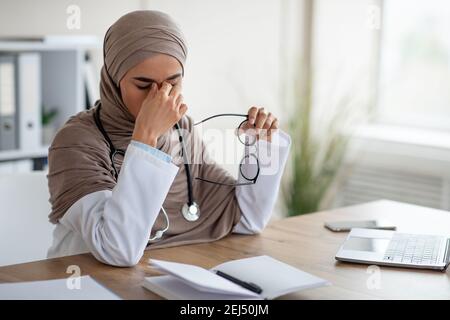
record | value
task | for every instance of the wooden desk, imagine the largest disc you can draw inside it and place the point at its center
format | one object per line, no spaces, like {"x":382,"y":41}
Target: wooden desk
{"x":300,"y":241}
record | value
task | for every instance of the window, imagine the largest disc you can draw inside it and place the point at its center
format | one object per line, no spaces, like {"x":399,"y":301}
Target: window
{"x":414,"y":74}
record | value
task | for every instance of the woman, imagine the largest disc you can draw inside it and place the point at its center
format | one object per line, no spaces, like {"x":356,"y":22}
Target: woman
{"x":111,"y":204}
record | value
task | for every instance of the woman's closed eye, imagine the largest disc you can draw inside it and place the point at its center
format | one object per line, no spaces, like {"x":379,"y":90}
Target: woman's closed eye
{"x":143,"y":87}
{"x":147,"y":86}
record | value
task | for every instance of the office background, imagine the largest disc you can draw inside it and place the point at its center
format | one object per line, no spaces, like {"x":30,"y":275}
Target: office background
{"x":361,"y":86}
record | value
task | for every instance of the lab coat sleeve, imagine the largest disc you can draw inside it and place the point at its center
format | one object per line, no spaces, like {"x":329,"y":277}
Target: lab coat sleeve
{"x":258,"y":200}
{"x":115,"y":225}
{"x":154,"y":151}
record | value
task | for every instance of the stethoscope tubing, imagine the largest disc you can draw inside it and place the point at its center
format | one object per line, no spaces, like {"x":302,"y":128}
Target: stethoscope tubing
{"x":114,"y":151}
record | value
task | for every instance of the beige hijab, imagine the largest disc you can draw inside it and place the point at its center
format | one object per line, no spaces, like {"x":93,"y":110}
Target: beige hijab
{"x":79,"y":161}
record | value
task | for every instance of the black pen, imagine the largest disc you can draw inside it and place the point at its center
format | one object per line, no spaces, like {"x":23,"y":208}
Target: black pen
{"x":247,"y":285}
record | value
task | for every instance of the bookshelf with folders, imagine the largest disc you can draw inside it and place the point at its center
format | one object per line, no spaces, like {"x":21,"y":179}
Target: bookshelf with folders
{"x":43,"y":81}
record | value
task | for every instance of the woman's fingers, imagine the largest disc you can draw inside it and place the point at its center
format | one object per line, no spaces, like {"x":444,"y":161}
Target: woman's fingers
{"x":179,"y":101}
{"x":264,"y":123}
{"x":183,"y":109}
{"x":176,"y":91}
{"x":266,"y":132}
{"x":160,"y":110}
{"x":252,"y":112}
{"x":269,"y":120}
{"x":274,"y":125}
{"x":272,"y":129}
{"x":165,"y":88}
{"x":152,"y":92}
{"x":260,"y":119}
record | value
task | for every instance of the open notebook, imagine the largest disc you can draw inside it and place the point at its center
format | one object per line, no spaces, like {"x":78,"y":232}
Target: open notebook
{"x":189,"y":282}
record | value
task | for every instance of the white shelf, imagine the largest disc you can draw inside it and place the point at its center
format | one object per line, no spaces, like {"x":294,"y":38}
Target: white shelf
{"x":52,"y":43}
{"x":12,"y":155}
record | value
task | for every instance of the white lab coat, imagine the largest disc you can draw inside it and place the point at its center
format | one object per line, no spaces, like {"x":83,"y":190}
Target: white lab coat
{"x":115,"y":225}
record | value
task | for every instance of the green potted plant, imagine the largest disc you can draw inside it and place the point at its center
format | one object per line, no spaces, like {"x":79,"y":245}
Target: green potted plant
{"x":48,"y":124}
{"x":316,"y":155}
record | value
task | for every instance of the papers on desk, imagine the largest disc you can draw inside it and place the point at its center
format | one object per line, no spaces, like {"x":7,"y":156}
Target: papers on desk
{"x":58,"y":289}
{"x":184,"y":281}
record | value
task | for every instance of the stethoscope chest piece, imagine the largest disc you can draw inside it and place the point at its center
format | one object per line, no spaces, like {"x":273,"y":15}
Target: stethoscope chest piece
{"x":191,"y":212}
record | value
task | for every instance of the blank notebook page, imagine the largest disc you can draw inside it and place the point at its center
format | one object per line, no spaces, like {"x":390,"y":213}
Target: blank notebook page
{"x":274,"y":277}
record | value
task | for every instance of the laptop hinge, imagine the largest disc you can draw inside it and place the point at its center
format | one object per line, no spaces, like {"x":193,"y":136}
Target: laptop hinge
{"x":447,"y":254}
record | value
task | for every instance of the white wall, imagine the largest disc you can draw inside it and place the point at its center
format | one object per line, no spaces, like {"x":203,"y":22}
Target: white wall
{"x":28,"y":17}
{"x":234,"y":53}
{"x":234,"y":46}
{"x":25,"y":17}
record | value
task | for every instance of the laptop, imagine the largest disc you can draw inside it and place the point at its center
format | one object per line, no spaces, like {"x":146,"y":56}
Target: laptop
{"x":390,"y":248}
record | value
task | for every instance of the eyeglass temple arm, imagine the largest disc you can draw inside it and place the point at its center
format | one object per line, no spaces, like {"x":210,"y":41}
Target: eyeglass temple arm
{"x":222,"y":115}
{"x":227,"y":184}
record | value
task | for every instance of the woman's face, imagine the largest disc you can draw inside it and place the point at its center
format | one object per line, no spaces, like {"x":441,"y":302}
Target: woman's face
{"x":136,"y":83}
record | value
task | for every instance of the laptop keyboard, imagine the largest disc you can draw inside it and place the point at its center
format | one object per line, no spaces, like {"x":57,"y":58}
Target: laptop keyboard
{"x":413,"y":249}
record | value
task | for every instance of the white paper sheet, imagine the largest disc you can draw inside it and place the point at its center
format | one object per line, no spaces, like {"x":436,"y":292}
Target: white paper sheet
{"x":59,"y":289}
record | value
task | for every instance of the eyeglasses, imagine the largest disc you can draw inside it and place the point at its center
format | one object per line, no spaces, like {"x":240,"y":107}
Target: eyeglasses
{"x":245,"y":139}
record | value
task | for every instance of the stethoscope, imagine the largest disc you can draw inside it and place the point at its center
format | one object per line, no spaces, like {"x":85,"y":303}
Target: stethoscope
{"x":190,"y":210}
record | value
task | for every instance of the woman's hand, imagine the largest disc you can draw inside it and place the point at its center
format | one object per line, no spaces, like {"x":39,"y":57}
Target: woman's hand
{"x":264,"y":124}
{"x":159,"y":112}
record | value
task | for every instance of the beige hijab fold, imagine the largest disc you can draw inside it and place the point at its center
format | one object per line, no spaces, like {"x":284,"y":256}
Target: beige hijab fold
{"x":79,"y":162}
